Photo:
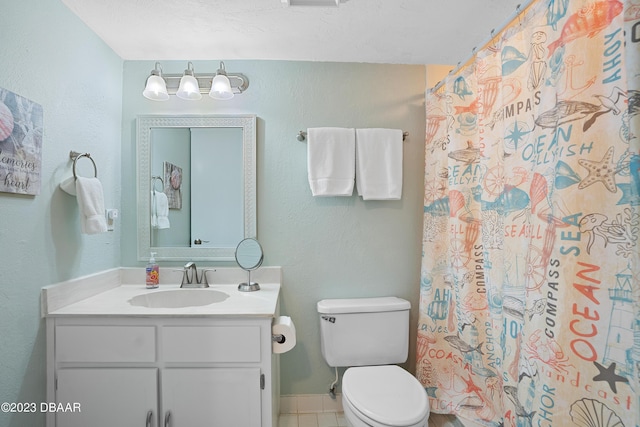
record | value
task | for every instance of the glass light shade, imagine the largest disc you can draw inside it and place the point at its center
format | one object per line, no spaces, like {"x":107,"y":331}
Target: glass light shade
{"x":221,"y":87}
{"x":189,"y":88}
{"x":156,"y":89}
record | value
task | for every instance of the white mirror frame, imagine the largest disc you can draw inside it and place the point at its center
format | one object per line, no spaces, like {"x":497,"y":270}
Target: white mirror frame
{"x":143,"y":152}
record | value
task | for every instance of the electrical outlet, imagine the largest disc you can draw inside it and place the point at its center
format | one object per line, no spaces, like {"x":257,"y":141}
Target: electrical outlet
{"x":111,"y":215}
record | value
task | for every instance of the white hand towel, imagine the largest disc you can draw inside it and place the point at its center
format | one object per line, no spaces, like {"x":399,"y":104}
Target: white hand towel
{"x":69,"y":186}
{"x":331,"y":161}
{"x":154,"y":215}
{"x":379,"y":164}
{"x":161,"y":210}
{"x":91,"y":205}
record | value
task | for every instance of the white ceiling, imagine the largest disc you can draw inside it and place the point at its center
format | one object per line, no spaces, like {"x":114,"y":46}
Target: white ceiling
{"x":384,"y":31}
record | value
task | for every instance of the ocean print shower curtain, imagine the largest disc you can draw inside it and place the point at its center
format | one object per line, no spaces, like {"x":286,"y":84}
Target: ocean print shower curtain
{"x":529,"y":294}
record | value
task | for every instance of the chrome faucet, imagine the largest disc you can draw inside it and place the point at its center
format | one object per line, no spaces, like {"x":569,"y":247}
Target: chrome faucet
{"x":190,"y":278}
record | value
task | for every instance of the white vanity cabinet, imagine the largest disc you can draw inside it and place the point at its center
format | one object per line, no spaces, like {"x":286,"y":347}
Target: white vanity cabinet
{"x":224,"y":397}
{"x":107,"y":397}
{"x":161,"y":371}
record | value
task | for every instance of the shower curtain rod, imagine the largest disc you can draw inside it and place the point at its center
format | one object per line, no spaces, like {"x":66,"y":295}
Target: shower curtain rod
{"x":519,"y":9}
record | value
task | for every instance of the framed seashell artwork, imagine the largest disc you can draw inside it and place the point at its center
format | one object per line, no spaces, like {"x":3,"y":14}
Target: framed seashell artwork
{"x":21,"y":129}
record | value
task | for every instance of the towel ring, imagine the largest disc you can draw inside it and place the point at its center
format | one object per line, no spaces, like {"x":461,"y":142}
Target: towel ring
{"x":75,"y":156}
{"x":153,"y":182}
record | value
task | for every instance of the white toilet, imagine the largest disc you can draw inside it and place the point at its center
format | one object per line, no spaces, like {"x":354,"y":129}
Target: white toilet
{"x":370,"y":335}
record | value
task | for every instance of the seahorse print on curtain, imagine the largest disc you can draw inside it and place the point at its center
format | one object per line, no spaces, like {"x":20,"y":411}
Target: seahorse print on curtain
{"x":529,"y":293}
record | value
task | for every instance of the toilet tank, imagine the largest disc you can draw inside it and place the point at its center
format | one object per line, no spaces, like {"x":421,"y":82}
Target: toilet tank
{"x":364,"y":331}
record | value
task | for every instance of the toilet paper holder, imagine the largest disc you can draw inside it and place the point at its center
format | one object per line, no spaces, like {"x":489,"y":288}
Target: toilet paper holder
{"x":283,"y":335}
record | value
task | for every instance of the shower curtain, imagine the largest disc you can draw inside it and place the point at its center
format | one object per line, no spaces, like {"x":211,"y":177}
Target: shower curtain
{"x":529,"y":293}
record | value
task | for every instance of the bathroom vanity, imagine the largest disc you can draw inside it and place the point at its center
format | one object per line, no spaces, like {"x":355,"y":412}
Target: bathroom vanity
{"x":129,"y":365}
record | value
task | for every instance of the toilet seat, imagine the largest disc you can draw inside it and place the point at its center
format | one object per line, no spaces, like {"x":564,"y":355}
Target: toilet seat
{"x":385,"y":396}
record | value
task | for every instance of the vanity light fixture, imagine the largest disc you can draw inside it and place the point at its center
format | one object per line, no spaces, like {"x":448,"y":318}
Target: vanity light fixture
{"x":156,"y":87}
{"x":191,"y":86}
{"x":221,"y":86}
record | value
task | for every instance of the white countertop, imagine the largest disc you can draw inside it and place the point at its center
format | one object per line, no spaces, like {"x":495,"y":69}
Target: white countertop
{"x":105,"y":295}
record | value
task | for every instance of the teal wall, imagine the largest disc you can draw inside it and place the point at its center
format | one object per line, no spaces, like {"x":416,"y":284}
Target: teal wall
{"x":328,"y":247}
{"x":332,"y":247}
{"x":50,"y":57}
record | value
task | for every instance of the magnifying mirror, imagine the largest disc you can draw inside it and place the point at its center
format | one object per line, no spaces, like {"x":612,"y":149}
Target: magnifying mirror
{"x":249,"y":257}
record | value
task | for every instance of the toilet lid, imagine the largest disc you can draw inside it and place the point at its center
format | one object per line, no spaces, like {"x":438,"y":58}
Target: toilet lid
{"x":387,"y":394}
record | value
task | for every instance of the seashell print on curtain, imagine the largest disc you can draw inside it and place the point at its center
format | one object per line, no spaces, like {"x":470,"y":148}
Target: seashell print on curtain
{"x":529,"y":293}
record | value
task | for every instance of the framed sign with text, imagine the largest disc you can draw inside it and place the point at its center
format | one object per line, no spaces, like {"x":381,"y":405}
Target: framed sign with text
{"x":21,"y":129}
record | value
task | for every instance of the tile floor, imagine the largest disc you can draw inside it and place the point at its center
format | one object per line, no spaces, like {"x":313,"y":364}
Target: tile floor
{"x":324,"y":419}
{"x":322,"y":411}
{"x":336,"y":419}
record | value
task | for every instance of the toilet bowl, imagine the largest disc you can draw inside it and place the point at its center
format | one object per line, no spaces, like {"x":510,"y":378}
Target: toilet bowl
{"x":383,"y":396}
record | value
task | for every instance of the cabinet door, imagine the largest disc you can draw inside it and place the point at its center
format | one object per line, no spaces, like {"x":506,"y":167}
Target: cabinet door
{"x":107,"y":397}
{"x":211,"y":397}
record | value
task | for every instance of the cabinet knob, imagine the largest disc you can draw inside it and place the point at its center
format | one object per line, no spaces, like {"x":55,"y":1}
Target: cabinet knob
{"x":167,"y":419}
{"x":149,"y":417}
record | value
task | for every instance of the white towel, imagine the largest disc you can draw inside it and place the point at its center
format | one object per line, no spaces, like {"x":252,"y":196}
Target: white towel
{"x":379,"y":164}
{"x":154,"y":215}
{"x":69,"y":186}
{"x":331,"y":161}
{"x":159,"y":210}
{"x":91,"y":205}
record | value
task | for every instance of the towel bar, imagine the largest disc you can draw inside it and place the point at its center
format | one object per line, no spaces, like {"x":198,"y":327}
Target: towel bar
{"x":302,"y":135}
{"x":74,"y":155}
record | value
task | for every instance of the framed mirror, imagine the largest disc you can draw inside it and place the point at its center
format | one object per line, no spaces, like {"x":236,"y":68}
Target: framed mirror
{"x":196,"y":186}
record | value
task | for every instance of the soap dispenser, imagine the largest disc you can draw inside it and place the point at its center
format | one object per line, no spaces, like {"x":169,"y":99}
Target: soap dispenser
{"x":153,"y":273}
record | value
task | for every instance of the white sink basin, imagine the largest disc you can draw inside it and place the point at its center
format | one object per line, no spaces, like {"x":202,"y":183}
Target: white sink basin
{"x":178,"y":298}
